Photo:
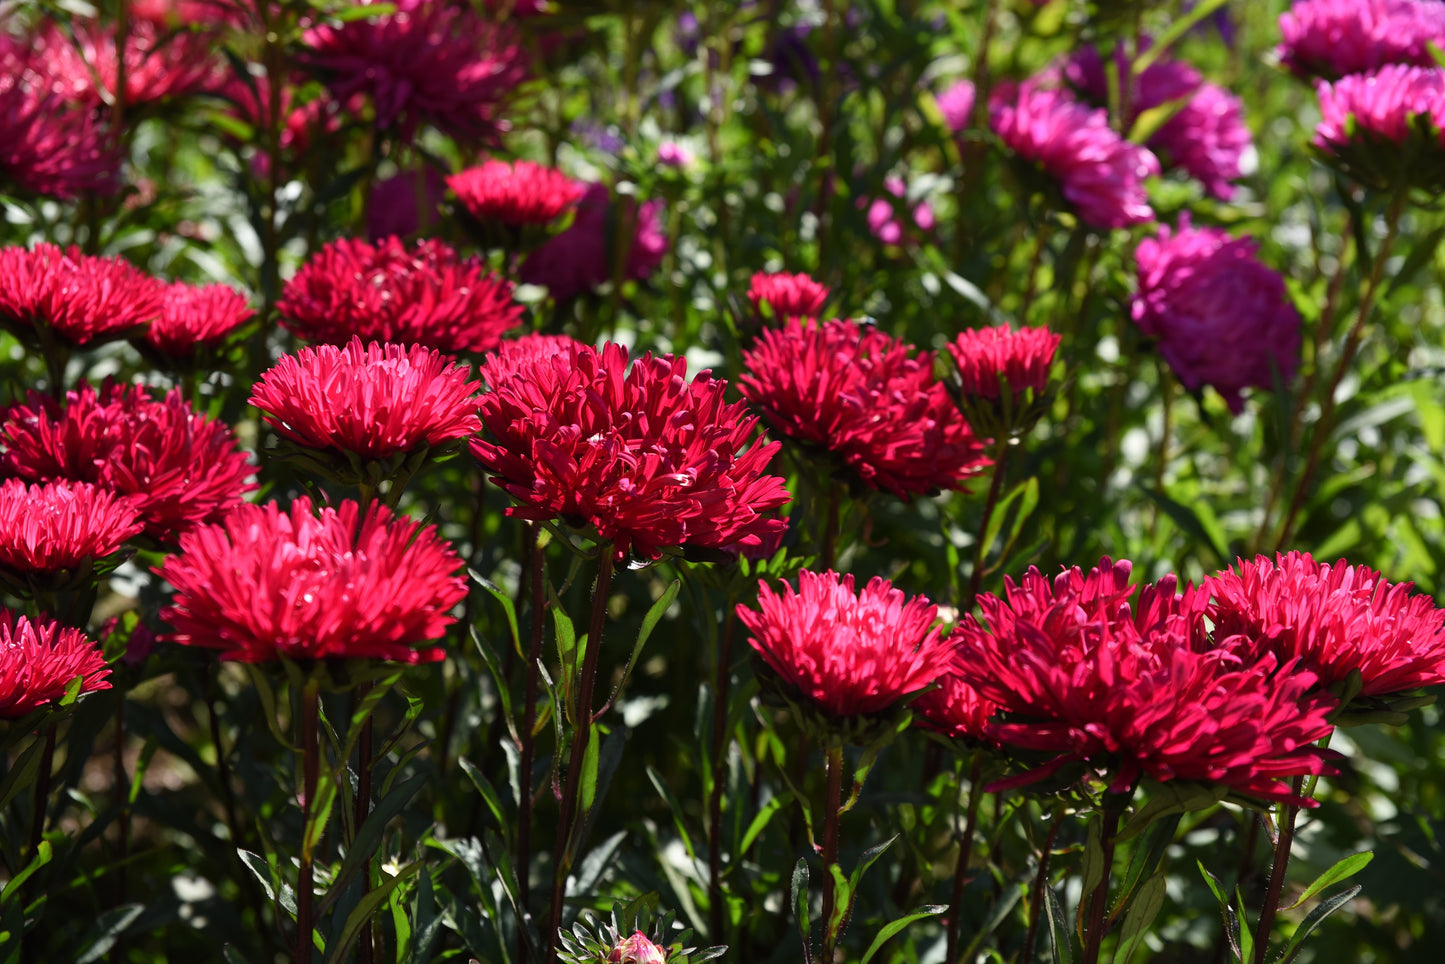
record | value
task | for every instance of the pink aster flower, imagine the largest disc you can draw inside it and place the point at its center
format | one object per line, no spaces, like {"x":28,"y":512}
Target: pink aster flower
{"x":160,"y":64}
{"x":423,"y":294}
{"x":847,"y":653}
{"x":1087,"y":675}
{"x":1100,"y":174}
{"x":956,"y":105}
{"x":955,"y":709}
{"x":637,"y":949}
{"x":987,"y":356}
{"x":195,"y":319}
{"x":510,"y":356}
{"x":427,"y":62}
{"x":47,"y":145}
{"x":516,"y":193}
{"x":375,"y":400}
{"x":1332,"y":38}
{"x":648,"y":459}
{"x":175,"y":466}
{"x":49,"y":293}
{"x":587,"y":254}
{"x":58,"y":527}
{"x":1386,"y":128}
{"x":856,"y":394}
{"x":268,"y":583}
{"x":38,"y":661}
{"x":1220,"y":317}
{"x":1336,"y":619}
{"x":675,"y":155}
{"x":788,"y":295}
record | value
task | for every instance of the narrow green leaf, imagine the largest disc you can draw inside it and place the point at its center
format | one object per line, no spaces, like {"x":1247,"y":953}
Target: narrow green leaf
{"x":1347,"y":867}
{"x":367,"y":907}
{"x":107,"y":930}
{"x":1093,"y":869}
{"x":1314,"y":919}
{"x":368,"y":838}
{"x":1170,"y":36}
{"x":654,"y":615}
{"x":842,"y":900}
{"x":1246,"y":938}
{"x":870,"y":856}
{"x":928,"y":910}
{"x":760,"y":821}
{"x":485,"y":788}
{"x":589,"y":770}
{"x":23,"y":772}
{"x":258,"y":866}
{"x":1142,"y":911}
{"x":1146,"y":857}
{"x":996,"y":916}
{"x":1188,"y":521}
{"x":679,"y":819}
{"x":1422,"y":253}
{"x":1058,"y":928}
{"x":800,"y":906}
{"x":41,"y":858}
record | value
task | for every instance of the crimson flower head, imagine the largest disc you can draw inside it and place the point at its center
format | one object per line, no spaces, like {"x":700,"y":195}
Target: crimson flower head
{"x":372,"y":400}
{"x":648,"y":459}
{"x":1220,"y":316}
{"x":38,"y":661}
{"x":1087,"y":676}
{"x":1332,"y":38}
{"x":268,"y":583}
{"x":788,"y":295}
{"x":845,"y":653}
{"x":175,"y":466}
{"x":955,"y":709}
{"x":82,"y":64}
{"x":49,"y":146}
{"x":58,"y":529}
{"x":48,"y":293}
{"x":516,"y":193}
{"x":1386,"y":129}
{"x":989,"y":357}
{"x":196,"y":319}
{"x":425,"y":62}
{"x":1336,"y":619}
{"x":855,"y":394}
{"x":1099,"y":173}
{"x":423,"y":294}
{"x":584,"y":257}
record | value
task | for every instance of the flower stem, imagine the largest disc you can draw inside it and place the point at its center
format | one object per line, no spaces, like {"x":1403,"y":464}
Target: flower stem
{"x":965,"y":854}
{"x":1277,"y":870}
{"x":122,"y":791}
{"x":42,"y":790}
{"x":581,"y":735}
{"x":830,"y":528}
{"x":721,"y":689}
{"x":1041,"y":881}
{"x":310,"y":766}
{"x":980,"y":548}
{"x":528,"y":736}
{"x":831,"y":806}
{"x":363,"y":810}
{"x":1114,"y":804}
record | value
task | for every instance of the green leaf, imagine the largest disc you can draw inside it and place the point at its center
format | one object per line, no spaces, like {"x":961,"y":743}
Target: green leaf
{"x":508,"y":607}
{"x":258,"y":866}
{"x":368,"y":838}
{"x":485,"y":788}
{"x":654,"y":615}
{"x":1189,"y":522}
{"x":23,"y":772}
{"x":41,"y":858}
{"x":367,"y":907}
{"x":1422,"y":252}
{"x":800,"y":905}
{"x":1026,"y":495}
{"x":1173,"y":797}
{"x":1169,"y":37}
{"x":1246,"y":938}
{"x":1347,"y":867}
{"x":1058,"y":928}
{"x":363,"y":12}
{"x":1093,"y":869}
{"x":928,"y":910}
{"x":760,"y":821}
{"x":679,"y":820}
{"x":1314,"y":919}
{"x":869,"y":858}
{"x":1142,"y":911}
{"x":1145,"y":858}
{"x":588,"y":794}
{"x":842,"y":900}
{"x":107,"y":930}
{"x":996,"y":916}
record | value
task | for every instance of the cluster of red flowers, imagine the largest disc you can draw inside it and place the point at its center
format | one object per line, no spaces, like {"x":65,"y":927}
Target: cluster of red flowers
{"x":195,"y":318}
{"x":41,"y":657}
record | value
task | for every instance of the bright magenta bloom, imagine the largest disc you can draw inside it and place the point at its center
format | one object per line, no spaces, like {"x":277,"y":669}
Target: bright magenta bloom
{"x":1100,"y":174}
{"x":425,"y":294}
{"x":849,"y":654}
{"x":582,"y":258}
{"x":1024,"y":357}
{"x":852,"y":391}
{"x":649,"y":459}
{"x":78,"y":299}
{"x":1334,"y":618}
{"x":788,"y":295}
{"x":57,"y":526}
{"x":516,"y":193}
{"x":39,"y":659}
{"x":1221,"y":317}
{"x":268,"y":583}
{"x":956,"y":105}
{"x":1087,"y":675}
{"x":955,"y":709}
{"x":374,"y":400}
{"x":882,"y":216}
{"x":1332,"y":38}
{"x":47,"y":145}
{"x":1386,"y":126}
{"x":428,"y":62}
{"x":196,"y":317}
{"x":159,"y":64}
{"x":177,"y":467}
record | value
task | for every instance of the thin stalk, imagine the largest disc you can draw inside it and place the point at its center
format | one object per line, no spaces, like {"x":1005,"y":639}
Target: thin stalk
{"x":1041,"y":881}
{"x":980,"y":550}
{"x":831,"y":806}
{"x":310,"y":768}
{"x":581,"y":734}
{"x":122,"y":790}
{"x":1114,"y":804}
{"x":965,"y":854}
{"x":363,"y":810}
{"x":721,"y":689}
{"x":1287,"y":816}
{"x":42,"y":790}
{"x":537,"y":564}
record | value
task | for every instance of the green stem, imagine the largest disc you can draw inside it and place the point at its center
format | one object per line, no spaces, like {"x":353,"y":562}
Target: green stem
{"x":830,"y":528}
{"x":310,"y":767}
{"x":42,"y":790}
{"x":1114,"y":804}
{"x":528,"y":735}
{"x":363,"y":810}
{"x":980,"y":548}
{"x":721,"y":692}
{"x":965,"y":854}
{"x":1287,"y":816}
{"x":1041,"y":883}
{"x":832,"y":804}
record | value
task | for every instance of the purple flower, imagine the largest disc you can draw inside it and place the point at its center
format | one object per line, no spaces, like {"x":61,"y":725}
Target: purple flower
{"x":956,"y":105}
{"x":1332,"y":38}
{"x":1387,"y":128}
{"x":393,"y":208}
{"x":584,"y":256}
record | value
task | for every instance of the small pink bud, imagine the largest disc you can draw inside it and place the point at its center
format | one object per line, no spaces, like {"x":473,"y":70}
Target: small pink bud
{"x":637,"y":949}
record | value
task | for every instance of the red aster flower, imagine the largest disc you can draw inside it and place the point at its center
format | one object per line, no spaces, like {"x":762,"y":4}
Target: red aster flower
{"x":651,"y":460}
{"x":159,"y":64}
{"x":39,"y":659}
{"x":266,"y":583}
{"x":847,"y":653}
{"x":49,"y":293}
{"x":987,"y":356}
{"x":955,"y":709}
{"x":1086,"y":676}
{"x":512,"y":355}
{"x":60,"y":526}
{"x":517,"y":193}
{"x":195,"y":318}
{"x":375,"y":400}
{"x":429,"y":61}
{"x":424,"y":295}
{"x":1336,"y":619}
{"x":788,"y":295}
{"x":853,"y":392}
{"x":48,"y":146}
{"x":175,"y":465}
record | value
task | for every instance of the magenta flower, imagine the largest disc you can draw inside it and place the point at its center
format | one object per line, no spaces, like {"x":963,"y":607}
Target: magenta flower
{"x":586,"y":255}
{"x":1386,"y":128}
{"x":268,"y":583}
{"x":58,"y":527}
{"x":52,"y":294}
{"x":882,"y":219}
{"x":956,"y":105}
{"x":49,"y":146}
{"x":646,"y":458}
{"x":788,"y":295}
{"x":160,"y":65}
{"x":401,"y":204}
{"x":987,"y":356}
{"x":637,"y":949}
{"x":1100,"y":174}
{"x":516,"y":193}
{"x":38,"y":661}
{"x":195,"y":320}
{"x":375,"y":401}
{"x":1332,"y":38}
{"x":1220,"y":317}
